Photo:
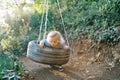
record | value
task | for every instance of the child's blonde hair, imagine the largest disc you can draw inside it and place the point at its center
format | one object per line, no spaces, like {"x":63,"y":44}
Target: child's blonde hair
{"x":55,"y":34}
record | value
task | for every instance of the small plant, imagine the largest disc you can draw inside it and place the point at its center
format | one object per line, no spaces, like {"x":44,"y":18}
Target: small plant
{"x":12,"y":44}
{"x":10,"y":74}
{"x":109,"y":36}
{"x":10,"y":67}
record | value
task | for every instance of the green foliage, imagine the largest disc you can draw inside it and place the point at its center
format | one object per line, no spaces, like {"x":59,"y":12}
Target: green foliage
{"x":5,"y":62}
{"x":93,"y":18}
{"x":4,"y":30}
{"x":10,"y":67}
{"x":110,"y":36}
{"x":35,"y":21}
{"x":12,"y":44}
{"x":15,"y":32}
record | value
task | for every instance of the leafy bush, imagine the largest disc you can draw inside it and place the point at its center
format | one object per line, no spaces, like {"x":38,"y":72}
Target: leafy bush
{"x":5,"y":62}
{"x":8,"y":65}
{"x":109,"y":36}
{"x":95,"y":18}
{"x":35,"y":21}
{"x":12,"y":44}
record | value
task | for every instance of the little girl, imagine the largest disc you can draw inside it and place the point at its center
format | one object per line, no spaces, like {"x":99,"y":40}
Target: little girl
{"x":54,"y":40}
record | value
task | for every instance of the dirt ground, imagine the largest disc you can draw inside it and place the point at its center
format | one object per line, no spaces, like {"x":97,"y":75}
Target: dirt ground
{"x":82,"y":65}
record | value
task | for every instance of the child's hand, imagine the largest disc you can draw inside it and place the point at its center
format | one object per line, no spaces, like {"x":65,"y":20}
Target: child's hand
{"x":66,"y":48}
{"x":41,"y":45}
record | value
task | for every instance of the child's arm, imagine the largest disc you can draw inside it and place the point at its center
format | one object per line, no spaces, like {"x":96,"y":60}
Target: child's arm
{"x":41,"y":44}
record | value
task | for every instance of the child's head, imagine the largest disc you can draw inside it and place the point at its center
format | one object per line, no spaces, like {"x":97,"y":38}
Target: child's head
{"x":54,"y":38}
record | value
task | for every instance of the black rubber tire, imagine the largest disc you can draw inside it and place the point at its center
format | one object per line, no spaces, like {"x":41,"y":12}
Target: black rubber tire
{"x":47,"y":55}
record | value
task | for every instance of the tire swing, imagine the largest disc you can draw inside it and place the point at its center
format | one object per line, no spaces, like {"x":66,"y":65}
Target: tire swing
{"x":47,"y":55}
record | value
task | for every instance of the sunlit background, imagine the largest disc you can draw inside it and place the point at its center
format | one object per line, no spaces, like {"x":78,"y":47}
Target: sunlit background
{"x":11,"y":9}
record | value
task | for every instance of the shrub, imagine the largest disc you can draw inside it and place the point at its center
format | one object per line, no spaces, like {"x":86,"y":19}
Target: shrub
{"x":12,"y":44}
{"x":35,"y":21}
{"x":8,"y":65}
